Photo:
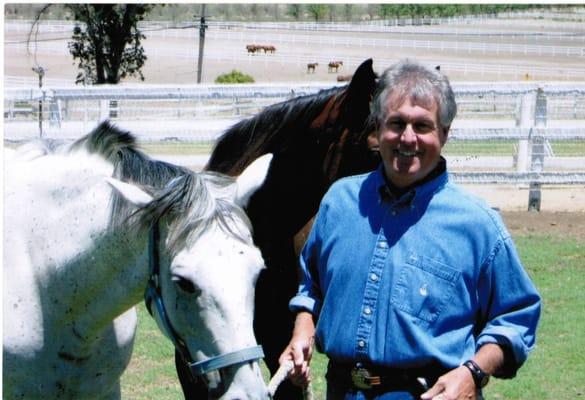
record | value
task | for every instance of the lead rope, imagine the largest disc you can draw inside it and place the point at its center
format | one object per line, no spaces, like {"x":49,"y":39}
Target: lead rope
{"x":280,"y":376}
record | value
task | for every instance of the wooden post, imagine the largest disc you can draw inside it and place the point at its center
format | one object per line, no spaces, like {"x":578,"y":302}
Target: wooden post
{"x":525,"y":120}
{"x":537,"y":151}
{"x":202,"y":27}
{"x":41,"y":72}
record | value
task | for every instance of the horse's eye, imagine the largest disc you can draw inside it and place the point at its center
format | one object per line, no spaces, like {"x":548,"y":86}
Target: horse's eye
{"x":184,"y":284}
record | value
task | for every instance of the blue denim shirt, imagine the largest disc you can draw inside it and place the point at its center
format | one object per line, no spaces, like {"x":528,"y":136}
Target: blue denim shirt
{"x":421,"y":280}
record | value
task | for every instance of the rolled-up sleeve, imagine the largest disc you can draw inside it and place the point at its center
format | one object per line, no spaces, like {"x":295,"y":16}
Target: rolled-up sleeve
{"x":510,"y":305}
{"x":309,"y":296}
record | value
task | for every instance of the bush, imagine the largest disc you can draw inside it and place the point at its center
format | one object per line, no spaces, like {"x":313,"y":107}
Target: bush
{"x":234,"y":77}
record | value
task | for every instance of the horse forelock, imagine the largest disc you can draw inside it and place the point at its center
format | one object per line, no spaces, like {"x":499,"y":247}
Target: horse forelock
{"x":190,"y":205}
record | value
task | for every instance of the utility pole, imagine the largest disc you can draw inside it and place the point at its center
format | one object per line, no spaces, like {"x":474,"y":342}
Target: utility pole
{"x":40,"y":72}
{"x":202,"y":27}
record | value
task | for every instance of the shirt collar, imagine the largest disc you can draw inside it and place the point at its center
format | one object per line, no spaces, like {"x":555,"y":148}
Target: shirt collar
{"x":428,"y":185}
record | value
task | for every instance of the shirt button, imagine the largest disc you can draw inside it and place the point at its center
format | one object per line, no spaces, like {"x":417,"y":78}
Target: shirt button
{"x":382,"y":245}
{"x":367,"y":310}
{"x":374,"y":277}
{"x":361,"y":343}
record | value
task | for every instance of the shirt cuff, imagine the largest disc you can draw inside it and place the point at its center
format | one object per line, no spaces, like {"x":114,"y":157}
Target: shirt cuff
{"x":515,"y":352}
{"x":304,"y":303}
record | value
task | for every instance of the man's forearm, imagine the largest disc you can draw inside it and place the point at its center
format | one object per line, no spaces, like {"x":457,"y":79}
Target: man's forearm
{"x":304,"y":326}
{"x":490,"y":358}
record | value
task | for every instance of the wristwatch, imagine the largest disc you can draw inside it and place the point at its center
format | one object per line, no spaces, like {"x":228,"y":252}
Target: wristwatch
{"x":479,"y":376}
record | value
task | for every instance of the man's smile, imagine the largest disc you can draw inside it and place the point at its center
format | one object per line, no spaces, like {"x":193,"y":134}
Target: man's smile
{"x":405,"y":153}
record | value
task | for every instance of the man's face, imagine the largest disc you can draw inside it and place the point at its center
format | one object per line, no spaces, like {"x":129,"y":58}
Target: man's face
{"x":411,"y":140}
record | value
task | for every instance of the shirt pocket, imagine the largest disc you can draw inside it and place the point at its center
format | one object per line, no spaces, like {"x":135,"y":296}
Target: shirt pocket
{"x":424,"y":287}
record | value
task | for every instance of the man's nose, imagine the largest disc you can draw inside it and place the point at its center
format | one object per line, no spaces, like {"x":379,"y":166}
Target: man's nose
{"x":408,"y":135}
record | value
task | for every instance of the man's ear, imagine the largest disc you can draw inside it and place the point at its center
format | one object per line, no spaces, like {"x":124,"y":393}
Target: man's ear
{"x":445,"y":135}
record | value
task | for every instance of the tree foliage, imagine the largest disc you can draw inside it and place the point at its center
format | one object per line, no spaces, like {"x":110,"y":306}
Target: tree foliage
{"x":318,"y":11}
{"x":107,"y":41}
{"x":295,"y":11}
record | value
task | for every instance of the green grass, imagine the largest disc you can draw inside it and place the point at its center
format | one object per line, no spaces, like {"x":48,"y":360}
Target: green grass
{"x":483,"y":148}
{"x":452,"y":148}
{"x":555,"y":370}
{"x":569,"y":148}
{"x":176,"y":148}
{"x":573,"y":148}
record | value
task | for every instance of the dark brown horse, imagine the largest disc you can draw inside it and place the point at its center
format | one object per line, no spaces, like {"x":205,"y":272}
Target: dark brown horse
{"x":311,"y":67}
{"x":334,"y":66}
{"x":315,"y":140}
{"x":269,"y":48}
{"x":252,"y":48}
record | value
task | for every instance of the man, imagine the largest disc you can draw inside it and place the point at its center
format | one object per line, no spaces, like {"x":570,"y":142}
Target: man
{"x":415,"y":285}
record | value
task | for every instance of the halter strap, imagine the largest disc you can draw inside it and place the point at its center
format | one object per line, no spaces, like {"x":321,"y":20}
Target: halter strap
{"x":227,"y":359}
{"x":152,"y":295}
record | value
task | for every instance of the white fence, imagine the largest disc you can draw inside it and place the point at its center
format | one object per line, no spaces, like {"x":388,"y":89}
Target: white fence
{"x":532,"y":119}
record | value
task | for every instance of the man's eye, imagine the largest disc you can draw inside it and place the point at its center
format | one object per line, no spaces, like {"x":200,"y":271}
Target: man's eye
{"x":396,"y":126}
{"x":423,"y":128}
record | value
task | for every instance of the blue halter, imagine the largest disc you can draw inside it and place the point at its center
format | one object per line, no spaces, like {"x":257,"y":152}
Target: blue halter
{"x":152,"y":296}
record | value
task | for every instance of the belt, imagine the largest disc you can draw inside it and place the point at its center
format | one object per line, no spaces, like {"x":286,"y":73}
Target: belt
{"x":365,"y":377}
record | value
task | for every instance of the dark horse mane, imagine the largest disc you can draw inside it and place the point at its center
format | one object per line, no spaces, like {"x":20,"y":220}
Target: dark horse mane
{"x":268,"y":131}
{"x":187,"y":197}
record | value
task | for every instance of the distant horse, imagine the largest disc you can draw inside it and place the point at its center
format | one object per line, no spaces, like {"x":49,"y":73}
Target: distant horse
{"x":315,"y":140}
{"x":269,"y":48}
{"x":252,"y":48}
{"x":344,"y":78}
{"x":87,"y":229}
{"x":334,"y":66}
{"x":311,"y":67}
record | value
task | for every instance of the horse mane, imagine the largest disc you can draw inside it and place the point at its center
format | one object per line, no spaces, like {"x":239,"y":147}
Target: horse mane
{"x":268,"y":131}
{"x":192,"y":201}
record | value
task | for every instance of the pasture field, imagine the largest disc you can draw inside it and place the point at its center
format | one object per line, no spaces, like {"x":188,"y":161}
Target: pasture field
{"x":552,"y":247}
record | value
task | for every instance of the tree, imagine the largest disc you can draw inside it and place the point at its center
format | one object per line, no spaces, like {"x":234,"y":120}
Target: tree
{"x":318,"y":11}
{"x":347,"y":10}
{"x":295,"y":11}
{"x":107,"y":41}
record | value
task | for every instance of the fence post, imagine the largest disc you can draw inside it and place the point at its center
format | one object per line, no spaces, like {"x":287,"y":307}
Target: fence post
{"x":537,"y":150}
{"x":524,"y":120}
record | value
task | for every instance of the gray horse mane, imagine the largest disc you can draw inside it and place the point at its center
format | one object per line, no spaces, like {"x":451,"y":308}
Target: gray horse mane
{"x":189,"y":202}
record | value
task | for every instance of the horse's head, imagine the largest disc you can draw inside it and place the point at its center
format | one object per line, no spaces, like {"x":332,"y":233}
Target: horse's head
{"x":204,"y":267}
{"x":344,"y":127}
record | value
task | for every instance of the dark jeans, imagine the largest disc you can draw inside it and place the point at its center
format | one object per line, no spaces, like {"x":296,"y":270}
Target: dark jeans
{"x":339,"y":393}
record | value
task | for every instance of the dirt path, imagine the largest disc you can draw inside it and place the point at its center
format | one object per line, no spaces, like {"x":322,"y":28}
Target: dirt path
{"x":559,"y":224}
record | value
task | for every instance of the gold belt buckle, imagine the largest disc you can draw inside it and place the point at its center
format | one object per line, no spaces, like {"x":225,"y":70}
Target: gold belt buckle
{"x":363,"y":379}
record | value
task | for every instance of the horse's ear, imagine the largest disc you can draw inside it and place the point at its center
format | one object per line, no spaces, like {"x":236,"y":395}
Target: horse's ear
{"x":130,"y":192}
{"x":360,"y":92}
{"x":252,"y":179}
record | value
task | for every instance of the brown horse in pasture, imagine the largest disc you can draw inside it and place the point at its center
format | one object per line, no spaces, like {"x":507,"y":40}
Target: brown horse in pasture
{"x":269,"y":48}
{"x":252,"y":48}
{"x":334,"y":66}
{"x":311,"y":67}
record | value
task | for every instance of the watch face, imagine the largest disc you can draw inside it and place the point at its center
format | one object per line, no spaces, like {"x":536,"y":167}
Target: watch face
{"x":484,"y":380}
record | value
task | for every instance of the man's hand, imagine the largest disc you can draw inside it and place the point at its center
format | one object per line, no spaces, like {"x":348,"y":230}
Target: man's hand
{"x":300,"y":350}
{"x":456,"y":384}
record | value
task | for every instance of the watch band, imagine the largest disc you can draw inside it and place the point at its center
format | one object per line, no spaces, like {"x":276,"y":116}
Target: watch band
{"x":480,"y":377}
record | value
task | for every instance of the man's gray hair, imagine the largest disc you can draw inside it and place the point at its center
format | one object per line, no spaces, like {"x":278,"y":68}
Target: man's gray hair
{"x":409,"y":79}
